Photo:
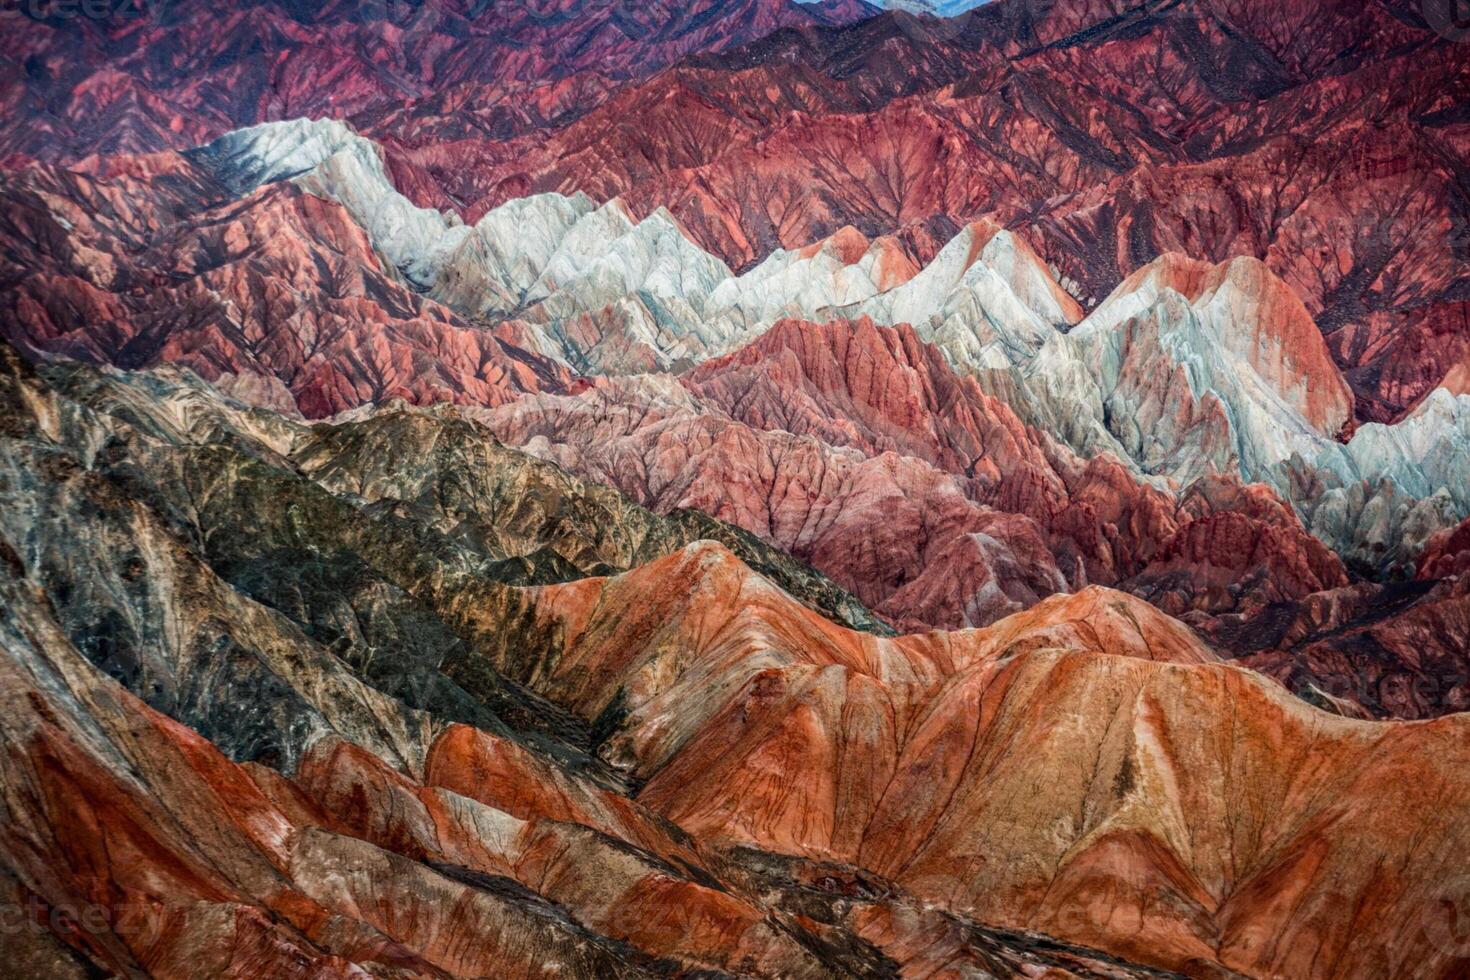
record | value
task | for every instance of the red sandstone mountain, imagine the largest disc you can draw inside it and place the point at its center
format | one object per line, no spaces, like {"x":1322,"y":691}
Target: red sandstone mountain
{"x":402,"y":765}
{"x":925,"y":496}
{"x":1242,"y":829}
{"x":279,"y":296}
{"x":1367,"y":650}
{"x":1189,"y":810}
{"x":160,"y":542}
{"x":859,"y":449}
{"x":1109,"y":139}
{"x":141,"y":77}
{"x":1447,"y":553}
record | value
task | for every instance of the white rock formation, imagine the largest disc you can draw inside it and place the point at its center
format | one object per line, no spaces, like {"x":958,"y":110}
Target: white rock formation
{"x":327,"y":158}
{"x":840,"y":270}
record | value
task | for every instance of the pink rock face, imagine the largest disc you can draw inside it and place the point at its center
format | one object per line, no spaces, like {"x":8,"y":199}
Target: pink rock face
{"x":875,"y":389}
{"x":875,"y":524}
{"x":280,"y":297}
{"x":143,"y":77}
{"x":858,"y":449}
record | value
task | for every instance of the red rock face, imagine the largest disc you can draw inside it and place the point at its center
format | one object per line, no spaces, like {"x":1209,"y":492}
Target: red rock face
{"x":814,"y":721}
{"x":1128,"y":142}
{"x":140,"y":77}
{"x":1367,"y":651}
{"x":1236,"y":548}
{"x":279,"y":298}
{"x":860,"y":450}
{"x":151,"y":853}
{"x":1447,"y":554}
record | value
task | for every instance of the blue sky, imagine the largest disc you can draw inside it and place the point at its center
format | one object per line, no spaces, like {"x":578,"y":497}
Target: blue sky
{"x":947,"y":8}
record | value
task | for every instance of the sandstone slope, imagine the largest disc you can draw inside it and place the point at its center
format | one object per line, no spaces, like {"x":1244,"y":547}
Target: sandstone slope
{"x":1098,"y":775}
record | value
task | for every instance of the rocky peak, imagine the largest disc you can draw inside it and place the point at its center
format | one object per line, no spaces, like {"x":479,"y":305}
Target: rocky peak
{"x":1253,"y":315}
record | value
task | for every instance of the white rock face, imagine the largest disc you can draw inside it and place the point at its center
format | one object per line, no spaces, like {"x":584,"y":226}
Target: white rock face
{"x":842,"y":270}
{"x":985,"y":300}
{"x":248,"y":158}
{"x":606,"y":256}
{"x":607,"y":293}
{"x":1179,"y":395}
{"x":1378,"y":525}
{"x":1256,"y":318}
{"x":327,"y":158}
{"x":1186,"y":369}
{"x":593,"y":287}
{"x":1190,"y":369}
{"x":500,"y":260}
{"x":981,"y":258}
{"x":1426,"y":453}
{"x":564,"y":265}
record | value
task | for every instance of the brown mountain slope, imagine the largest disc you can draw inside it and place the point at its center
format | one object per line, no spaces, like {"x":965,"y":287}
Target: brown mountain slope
{"x":1076,"y":769}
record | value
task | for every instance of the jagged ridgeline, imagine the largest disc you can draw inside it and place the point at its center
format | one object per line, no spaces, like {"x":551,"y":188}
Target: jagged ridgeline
{"x":734,"y":488}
